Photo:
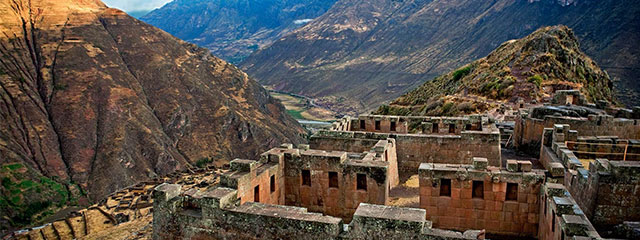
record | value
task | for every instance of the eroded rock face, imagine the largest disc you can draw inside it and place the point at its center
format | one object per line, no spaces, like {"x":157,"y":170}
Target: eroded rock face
{"x":120,"y":101}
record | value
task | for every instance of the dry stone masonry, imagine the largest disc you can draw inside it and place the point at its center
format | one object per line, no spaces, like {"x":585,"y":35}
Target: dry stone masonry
{"x":582,"y":183}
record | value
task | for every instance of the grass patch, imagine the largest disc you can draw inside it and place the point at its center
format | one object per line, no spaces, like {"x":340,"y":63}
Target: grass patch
{"x":297,"y":114}
{"x":14,"y":166}
{"x":536,"y":79}
{"x":25,"y":184}
{"x":462,"y":72}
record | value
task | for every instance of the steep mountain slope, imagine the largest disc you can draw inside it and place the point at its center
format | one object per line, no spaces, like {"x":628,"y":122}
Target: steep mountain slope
{"x":93,"y":100}
{"x":235,"y":29}
{"x":362,"y":53}
{"x":529,"y":69}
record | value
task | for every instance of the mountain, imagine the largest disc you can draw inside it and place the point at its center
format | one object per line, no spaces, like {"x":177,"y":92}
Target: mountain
{"x":362,"y":53}
{"x":528,"y":70}
{"x":235,"y":29}
{"x":138,"y":13}
{"x":93,"y":100}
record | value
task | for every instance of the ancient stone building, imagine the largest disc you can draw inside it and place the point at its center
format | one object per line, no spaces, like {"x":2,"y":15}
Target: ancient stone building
{"x":298,"y":193}
{"x":419,"y":139}
{"x":349,"y":181}
{"x":585,"y":184}
{"x":585,"y":118}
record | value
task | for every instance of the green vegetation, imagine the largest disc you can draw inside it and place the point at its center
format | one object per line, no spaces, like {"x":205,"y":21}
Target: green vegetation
{"x":297,"y":114}
{"x":536,"y":79}
{"x":23,"y":193}
{"x":14,"y":166}
{"x":204,"y":162}
{"x":462,"y":72}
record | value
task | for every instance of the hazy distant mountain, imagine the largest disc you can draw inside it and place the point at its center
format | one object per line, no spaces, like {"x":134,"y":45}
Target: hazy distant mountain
{"x":235,"y":29}
{"x":364,"y":52}
{"x":96,"y":100}
{"x":528,"y":70}
{"x":139,"y":13}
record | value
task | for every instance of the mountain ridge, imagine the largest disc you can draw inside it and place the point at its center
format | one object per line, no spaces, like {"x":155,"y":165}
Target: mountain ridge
{"x":410,"y":42}
{"x":96,"y":100}
{"x":234,"y":29}
{"x":523,"y":71}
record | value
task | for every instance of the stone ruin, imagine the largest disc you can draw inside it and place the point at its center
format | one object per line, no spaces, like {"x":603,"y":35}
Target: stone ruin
{"x":340,"y":186}
{"x":126,"y":205}
{"x":582,"y":182}
{"x":298,"y":193}
{"x":586,"y":118}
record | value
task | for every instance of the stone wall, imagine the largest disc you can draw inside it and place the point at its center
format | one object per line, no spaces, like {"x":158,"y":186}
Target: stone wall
{"x":329,"y":182}
{"x":414,"y":149}
{"x":341,"y":144}
{"x":216,"y":214}
{"x":529,"y":131}
{"x":491,"y":207}
{"x":411,"y":124}
{"x":378,"y":168}
{"x":560,"y":216}
{"x":250,"y":177}
{"x":609,"y":192}
{"x":569,"y":97}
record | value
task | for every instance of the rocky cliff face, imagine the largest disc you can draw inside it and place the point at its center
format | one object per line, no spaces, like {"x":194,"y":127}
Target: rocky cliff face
{"x":235,"y":29}
{"x":363,"y":53}
{"x":93,"y":100}
{"x":526,"y":70}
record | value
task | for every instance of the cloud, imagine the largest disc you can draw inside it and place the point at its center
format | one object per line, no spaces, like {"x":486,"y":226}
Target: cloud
{"x":136,"y":5}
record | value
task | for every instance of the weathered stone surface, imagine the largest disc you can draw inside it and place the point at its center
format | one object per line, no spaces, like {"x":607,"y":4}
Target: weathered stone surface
{"x":480,"y":163}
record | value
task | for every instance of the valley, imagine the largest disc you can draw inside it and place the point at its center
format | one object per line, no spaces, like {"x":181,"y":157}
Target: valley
{"x":320,"y":119}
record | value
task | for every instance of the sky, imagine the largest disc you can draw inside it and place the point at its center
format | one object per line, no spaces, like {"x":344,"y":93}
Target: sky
{"x":135,"y":5}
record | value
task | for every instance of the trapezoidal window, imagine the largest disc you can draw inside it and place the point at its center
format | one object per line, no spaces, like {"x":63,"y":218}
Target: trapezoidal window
{"x":435,"y":129}
{"x":333,"y":180}
{"x":377,"y":124}
{"x":361,"y":182}
{"x":478,"y":189}
{"x":273,"y":183}
{"x":393,"y":126}
{"x":512,"y":192}
{"x":362,"y":125}
{"x":452,"y":128}
{"x":445,"y":188}
{"x":256,"y":194}
{"x":468,"y":127}
{"x":306,"y":178}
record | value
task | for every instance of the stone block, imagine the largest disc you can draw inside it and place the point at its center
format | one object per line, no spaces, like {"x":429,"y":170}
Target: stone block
{"x":525,"y":166}
{"x":480,"y":163}
{"x":556,"y":169}
{"x":575,"y":225}
{"x":512,"y":165}
{"x":165,"y":192}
